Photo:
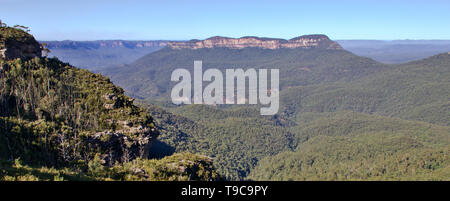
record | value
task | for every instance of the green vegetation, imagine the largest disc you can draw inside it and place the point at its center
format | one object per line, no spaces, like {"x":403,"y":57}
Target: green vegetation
{"x":49,"y":108}
{"x":334,"y":104}
{"x":58,"y":122}
{"x":236,"y":138}
{"x":178,"y":167}
{"x":344,"y":158}
{"x":149,"y":77}
{"x":257,"y":149}
{"x":342,"y":117}
{"x":13,"y":34}
{"x":357,"y":146}
{"x":417,"y":91}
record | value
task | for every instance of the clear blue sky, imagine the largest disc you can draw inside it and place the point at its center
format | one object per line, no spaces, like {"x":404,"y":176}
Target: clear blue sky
{"x":189,"y":19}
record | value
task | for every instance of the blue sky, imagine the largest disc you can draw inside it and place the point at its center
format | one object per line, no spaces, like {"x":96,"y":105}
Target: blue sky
{"x":189,"y":19}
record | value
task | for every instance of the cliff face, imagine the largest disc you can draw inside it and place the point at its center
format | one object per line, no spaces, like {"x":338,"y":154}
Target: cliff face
{"x":307,"y":41}
{"x":15,"y":43}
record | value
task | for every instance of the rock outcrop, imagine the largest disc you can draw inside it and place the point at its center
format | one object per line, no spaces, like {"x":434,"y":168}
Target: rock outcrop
{"x":118,"y":147}
{"x":15,"y":43}
{"x":129,"y":140}
{"x":307,"y":41}
{"x":119,"y":131}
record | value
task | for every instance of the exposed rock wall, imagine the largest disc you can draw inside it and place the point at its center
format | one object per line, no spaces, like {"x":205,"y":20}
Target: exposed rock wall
{"x":307,"y":41}
{"x":24,"y":46}
{"x":118,"y":147}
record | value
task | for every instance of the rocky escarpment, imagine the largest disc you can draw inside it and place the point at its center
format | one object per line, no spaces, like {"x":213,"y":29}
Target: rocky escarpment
{"x":15,"y":43}
{"x":117,"y":147}
{"x":129,"y":140}
{"x":307,"y":41}
{"x":81,"y":114}
{"x":75,"y":124}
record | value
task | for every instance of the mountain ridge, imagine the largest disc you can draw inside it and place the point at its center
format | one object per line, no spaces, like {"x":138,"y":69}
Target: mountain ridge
{"x":149,"y":76}
{"x":316,"y":86}
{"x":305,"y":41}
{"x":92,"y":55}
{"x":105,"y":43}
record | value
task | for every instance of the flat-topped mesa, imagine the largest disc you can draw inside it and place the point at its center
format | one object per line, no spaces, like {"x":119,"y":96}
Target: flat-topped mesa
{"x":313,"y":41}
{"x":307,"y":41}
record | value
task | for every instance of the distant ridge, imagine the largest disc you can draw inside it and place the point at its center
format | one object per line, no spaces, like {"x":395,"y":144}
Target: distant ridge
{"x":97,"y":54}
{"x":105,"y":44}
{"x":306,"y":41}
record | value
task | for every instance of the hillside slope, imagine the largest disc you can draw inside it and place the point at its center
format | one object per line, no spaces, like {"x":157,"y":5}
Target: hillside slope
{"x":246,"y":146}
{"x":312,"y":98}
{"x":56,"y":119}
{"x":417,"y":90}
{"x":356,"y":146}
{"x":149,"y":76}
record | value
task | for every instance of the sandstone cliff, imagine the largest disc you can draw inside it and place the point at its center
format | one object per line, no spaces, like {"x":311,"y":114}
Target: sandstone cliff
{"x":307,"y":41}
